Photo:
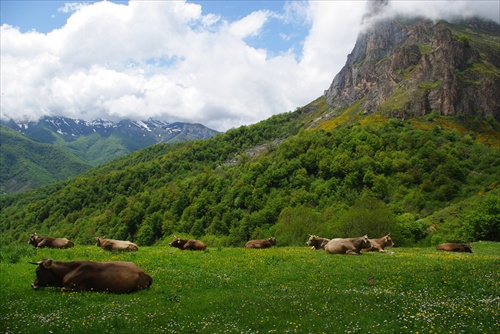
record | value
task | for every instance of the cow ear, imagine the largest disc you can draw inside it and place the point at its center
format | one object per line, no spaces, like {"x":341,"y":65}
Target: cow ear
{"x":47,"y":264}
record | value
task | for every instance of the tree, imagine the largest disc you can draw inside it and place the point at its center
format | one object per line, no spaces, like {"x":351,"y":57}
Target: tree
{"x":368,"y":215}
{"x":145,"y":235}
{"x":486,"y":220}
{"x":294,"y":225}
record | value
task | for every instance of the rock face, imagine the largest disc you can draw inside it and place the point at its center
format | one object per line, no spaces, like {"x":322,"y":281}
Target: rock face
{"x":411,"y":67}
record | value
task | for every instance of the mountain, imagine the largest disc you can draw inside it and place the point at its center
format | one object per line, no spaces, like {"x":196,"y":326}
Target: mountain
{"x":99,"y":141}
{"x":411,"y":67}
{"x":27,"y":164}
{"x":360,"y":159}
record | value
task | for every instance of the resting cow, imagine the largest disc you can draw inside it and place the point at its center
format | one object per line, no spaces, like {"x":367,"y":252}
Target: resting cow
{"x":41,"y":242}
{"x":452,"y":247}
{"x":188,"y":244}
{"x":265,"y":243}
{"x":118,"y":245}
{"x":378,"y":245}
{"x":352,"y":246}
{"x":316,"y":242}
{"x":114,"y":277}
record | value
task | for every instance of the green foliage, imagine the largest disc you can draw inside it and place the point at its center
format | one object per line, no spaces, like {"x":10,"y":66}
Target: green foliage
{"x":26,"y":164}
{"x":255,"y":181}
{"x":282,"y":290}
{"x":368,"y":215}
{"x":295,"y":224}
{"x":486,"y":221}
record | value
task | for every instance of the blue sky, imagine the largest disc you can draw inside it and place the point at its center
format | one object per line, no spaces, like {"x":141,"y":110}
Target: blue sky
{"x":219,"y":63}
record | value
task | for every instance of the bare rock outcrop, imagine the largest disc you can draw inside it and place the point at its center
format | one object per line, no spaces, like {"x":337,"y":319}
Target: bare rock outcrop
{"x":410,"y":67}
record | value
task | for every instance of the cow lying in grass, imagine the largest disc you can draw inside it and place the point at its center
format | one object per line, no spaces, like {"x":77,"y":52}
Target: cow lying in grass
{"x":352,"y":246}
{"x":188,"y":244}
{"x":114,"y":277}
{"x":378,"y":245}
{"x":41,"y":242}
{"x":265,"y":243}
{"x":117,"y":245}
{"x":453,"y":247}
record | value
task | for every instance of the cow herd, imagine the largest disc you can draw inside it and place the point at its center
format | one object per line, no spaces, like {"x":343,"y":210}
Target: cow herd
{"x":124,"y":277}
{"x":352,"y":246}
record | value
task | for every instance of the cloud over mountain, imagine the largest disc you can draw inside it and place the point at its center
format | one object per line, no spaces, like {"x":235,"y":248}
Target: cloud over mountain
{"x":170,"y":60}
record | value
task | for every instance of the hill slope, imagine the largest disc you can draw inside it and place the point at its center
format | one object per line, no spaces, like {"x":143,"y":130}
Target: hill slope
{"x":27,"y":164}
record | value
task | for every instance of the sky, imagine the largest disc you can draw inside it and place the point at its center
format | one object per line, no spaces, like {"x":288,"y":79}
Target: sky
{"x":219,"y":63}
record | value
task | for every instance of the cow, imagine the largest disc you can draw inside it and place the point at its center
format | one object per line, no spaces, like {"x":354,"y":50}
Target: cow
{"x":265,"y":243}
{"x":41,"y":242}
{"x":316,"y":242}
{"x":378,"y":245}
{"x":114,"y":277}
{"x":453,"y":247}
{"x":352,"y":246}
{"x":188,"y":244}
{"x":118,"y":245}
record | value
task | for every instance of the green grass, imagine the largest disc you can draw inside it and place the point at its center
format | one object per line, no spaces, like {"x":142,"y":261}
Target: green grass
{"x":282,"y":290}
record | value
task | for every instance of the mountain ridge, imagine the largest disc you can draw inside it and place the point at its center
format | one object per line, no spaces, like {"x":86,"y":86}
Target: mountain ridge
{"x":87,"y":144}
{"x":72,"y":128}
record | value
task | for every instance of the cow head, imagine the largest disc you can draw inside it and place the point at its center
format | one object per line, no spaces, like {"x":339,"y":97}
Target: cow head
{"x":311,"y":241}
{"x":33,"y":240}
{"x":98,"y":242}
{"x":272,"y":240}
{"x":365,"y":242}
{"x":44,"y":275}
{"x":177,"y":242}
{"x":387,"y":240}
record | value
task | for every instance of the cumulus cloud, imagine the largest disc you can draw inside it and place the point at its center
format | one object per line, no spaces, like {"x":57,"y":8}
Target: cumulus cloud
{"x":167,"y":60}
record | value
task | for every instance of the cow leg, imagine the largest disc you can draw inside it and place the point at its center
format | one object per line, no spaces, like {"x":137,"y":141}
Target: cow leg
{"x":351,"y":252}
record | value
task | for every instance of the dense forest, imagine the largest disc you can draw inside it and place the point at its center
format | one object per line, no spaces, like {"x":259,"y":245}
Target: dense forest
{"x":425,"y":180}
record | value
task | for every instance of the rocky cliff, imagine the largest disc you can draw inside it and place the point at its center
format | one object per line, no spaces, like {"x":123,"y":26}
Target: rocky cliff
{"x":410,"y":67}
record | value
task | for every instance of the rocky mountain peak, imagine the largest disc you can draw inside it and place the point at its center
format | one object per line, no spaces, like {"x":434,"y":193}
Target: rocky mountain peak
{"x":409,"y":67}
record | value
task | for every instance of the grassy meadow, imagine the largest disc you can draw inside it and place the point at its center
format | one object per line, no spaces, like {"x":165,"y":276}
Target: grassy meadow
{"x":278,"y":290}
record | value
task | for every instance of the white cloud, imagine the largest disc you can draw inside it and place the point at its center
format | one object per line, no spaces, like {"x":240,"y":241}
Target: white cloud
{"x":446,"y":9}
{"x":166,"y":60}
{"x":250,"y":25}
{"x":70,"y":7}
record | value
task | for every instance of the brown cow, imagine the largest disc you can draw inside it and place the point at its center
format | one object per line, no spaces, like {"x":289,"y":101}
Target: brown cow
{"x":316,"y":242}
{"x":352,"y":246}
{"x":452,"y":247}
{"x":114,"y":277}
{"x":378,"y":245}
{"x":188,"y":244}
{"x":41,"y":242}
{"x":118,"y":245}
{"x":265,"y":243}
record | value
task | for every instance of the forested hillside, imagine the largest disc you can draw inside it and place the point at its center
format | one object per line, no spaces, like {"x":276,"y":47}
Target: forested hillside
{"x":27,"y":164}
{"x":283,"y":177}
